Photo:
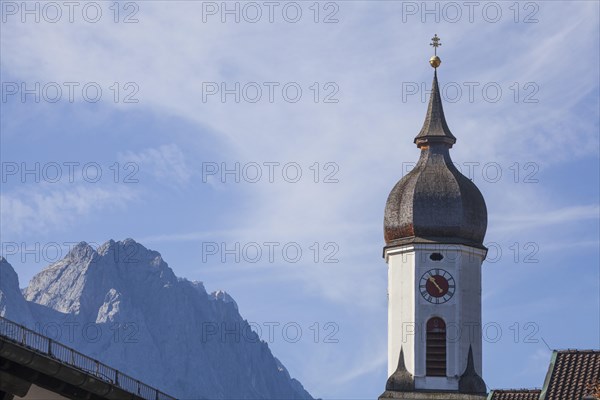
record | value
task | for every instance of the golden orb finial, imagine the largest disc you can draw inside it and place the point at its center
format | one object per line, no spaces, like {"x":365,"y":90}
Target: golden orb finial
{"x":435,"y":61}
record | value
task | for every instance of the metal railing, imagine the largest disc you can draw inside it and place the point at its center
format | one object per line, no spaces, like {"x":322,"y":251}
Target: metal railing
{"x":32,"y":340}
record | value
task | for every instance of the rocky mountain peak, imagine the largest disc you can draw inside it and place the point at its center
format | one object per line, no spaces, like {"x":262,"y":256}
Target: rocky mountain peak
{"x":81,"y":251}
{"x":164,"y":330}
{"x":12,"y":303}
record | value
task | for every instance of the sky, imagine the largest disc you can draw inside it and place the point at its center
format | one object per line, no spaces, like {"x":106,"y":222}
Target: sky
{"x":254,"y":145}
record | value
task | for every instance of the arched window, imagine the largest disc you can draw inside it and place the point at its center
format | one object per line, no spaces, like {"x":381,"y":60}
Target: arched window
{"x":436,"y":347}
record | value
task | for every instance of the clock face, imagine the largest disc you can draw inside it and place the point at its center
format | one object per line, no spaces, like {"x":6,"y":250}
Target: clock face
{"x":437,"y":286}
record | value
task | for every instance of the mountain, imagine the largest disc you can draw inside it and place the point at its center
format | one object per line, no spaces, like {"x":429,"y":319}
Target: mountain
{"x":12,"y":304}
{"x":124,"y":306}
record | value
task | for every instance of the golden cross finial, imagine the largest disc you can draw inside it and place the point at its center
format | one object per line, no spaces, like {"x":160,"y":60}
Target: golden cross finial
{"x":435,"y":61}
{"x":435,"y":43}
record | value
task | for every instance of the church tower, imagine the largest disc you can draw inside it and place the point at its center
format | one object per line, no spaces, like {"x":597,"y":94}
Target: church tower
{"x":434,"y":225}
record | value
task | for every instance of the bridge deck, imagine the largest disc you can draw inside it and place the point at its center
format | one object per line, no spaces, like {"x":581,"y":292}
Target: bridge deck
{"x":27,"y":357}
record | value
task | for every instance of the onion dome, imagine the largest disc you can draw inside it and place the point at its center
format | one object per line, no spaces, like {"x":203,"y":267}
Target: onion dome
{"x":435,"y":203}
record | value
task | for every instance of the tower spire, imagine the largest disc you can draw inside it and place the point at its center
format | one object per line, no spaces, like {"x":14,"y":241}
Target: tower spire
{"x":470,"y":381}
{"x":434,"y":213}
{"x":401,"y":380}
{"x":435,"y":128}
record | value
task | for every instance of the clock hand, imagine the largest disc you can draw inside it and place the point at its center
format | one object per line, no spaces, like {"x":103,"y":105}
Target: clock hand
{"x":432,"y":280}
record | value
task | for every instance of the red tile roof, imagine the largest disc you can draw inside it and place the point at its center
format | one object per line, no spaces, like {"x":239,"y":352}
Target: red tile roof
{"x":572,"y":374}
{"x":515,"y":394}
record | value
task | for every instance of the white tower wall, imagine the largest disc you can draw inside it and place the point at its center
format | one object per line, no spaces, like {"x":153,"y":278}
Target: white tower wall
{"x":408,"y":311}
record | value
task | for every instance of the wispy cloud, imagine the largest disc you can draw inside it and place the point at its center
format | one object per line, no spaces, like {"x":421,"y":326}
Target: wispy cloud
{"x":369,"y":133}
{"x":166,"y":163}
{"x":531,"y":221}
{"x":368,"y":364}
{"x":537,"y":361}
{"x":32,"y":210}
